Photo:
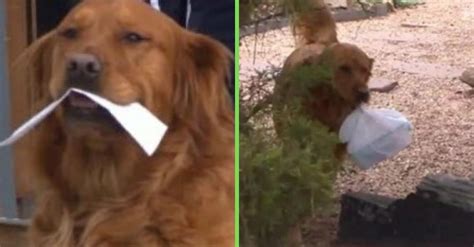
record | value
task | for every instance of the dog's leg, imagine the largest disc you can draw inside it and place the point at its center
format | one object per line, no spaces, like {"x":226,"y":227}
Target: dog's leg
{"x":340,"y":151}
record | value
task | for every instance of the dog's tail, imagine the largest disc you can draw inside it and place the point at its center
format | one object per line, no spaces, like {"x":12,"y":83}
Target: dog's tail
{"x":314,"y":25}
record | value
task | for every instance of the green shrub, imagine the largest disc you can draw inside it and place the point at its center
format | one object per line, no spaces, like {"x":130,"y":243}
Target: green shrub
{"x":406,"y":3}
{"x":255,"y":10}
{"x":284,"y":179}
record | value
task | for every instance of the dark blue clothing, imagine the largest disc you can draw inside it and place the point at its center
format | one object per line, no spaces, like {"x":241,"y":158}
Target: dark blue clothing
{"x":49,"y":14}
{"x":212,"y":18}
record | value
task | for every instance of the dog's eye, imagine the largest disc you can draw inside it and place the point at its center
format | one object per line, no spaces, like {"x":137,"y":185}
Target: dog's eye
{"x":69,"y":33}
{"x":134,"y":37}
{"x":345,"y":69}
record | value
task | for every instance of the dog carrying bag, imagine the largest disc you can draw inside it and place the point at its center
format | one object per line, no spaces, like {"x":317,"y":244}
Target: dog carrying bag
{"x":374,"y":135}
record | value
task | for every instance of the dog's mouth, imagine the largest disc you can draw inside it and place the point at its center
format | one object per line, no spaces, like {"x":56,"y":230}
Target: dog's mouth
{"x":79,"y":108}
{"x":83,"y":104}
{"x":363,"y":96}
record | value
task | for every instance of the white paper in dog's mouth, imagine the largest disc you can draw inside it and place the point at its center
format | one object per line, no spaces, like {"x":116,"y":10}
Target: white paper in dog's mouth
{"x":146,"y":129}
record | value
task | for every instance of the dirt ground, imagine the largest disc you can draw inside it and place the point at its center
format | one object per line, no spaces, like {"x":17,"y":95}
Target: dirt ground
{"x":426,"y":57}
{"x":426,"y":61}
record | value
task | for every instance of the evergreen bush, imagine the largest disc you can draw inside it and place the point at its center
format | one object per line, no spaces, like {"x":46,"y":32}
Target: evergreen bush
{"x":288,"y":178}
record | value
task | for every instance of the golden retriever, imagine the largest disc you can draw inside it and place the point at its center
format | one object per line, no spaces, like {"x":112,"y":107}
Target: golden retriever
{"x":314,"y":25}
{"x":331,"y":99}
{"x":328,"y":102}
{"x":94,"y":186}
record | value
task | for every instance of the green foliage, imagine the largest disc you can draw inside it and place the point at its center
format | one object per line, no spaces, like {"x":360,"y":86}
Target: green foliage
{"x":283,"y":184}
{"x":307,"y":76}
{"x":288,"y":178}
{"x":247,"y":9}
{"x":253,"y":10}
{"x":294,"y":7}
{"x":406,"y":3}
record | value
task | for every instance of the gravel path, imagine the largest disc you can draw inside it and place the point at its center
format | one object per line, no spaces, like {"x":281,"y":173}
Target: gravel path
{"x":426,"y":61}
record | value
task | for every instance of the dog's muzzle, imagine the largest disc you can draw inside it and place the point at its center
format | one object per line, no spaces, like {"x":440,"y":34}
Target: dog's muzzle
{"x":83,"y":71}
{"x":363,"y":95}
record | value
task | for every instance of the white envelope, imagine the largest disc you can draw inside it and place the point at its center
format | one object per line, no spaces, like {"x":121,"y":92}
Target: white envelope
{"x":146,"y":129}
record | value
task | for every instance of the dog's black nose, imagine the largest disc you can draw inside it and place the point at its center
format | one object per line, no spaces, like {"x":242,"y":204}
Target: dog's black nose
{"x":363,"y":96}
{"x":83,"y":70}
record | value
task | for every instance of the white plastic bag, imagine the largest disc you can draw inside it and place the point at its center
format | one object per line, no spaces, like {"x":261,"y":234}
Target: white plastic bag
{"x":374,"y":135}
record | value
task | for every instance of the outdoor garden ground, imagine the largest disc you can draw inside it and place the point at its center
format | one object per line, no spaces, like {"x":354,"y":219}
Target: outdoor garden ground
{"x":425,"y":49}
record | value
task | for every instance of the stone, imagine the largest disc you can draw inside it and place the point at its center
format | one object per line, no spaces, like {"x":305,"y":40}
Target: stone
{"x":353,"y":14}
{"x":441,"y":211}
{"x":468,"y":77}
{"x":365,"y":217}
{"x":382,"y":85}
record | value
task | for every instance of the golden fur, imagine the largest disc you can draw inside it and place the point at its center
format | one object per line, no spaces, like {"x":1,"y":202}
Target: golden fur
{"x":94,"y":186}
{"x":351,"y":69}
{"x":332,"y":101}
{"x":328,"y":102}
{"x":314,"y":25}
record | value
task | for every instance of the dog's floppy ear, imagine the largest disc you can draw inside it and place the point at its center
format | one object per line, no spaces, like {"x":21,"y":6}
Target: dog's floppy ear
{"x":201,"y":97}
{"x":34,"y":65}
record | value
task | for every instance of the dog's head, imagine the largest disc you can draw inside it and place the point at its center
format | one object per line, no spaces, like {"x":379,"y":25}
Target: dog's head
{"x":127,"y":52}
{"x":351,"y":69}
